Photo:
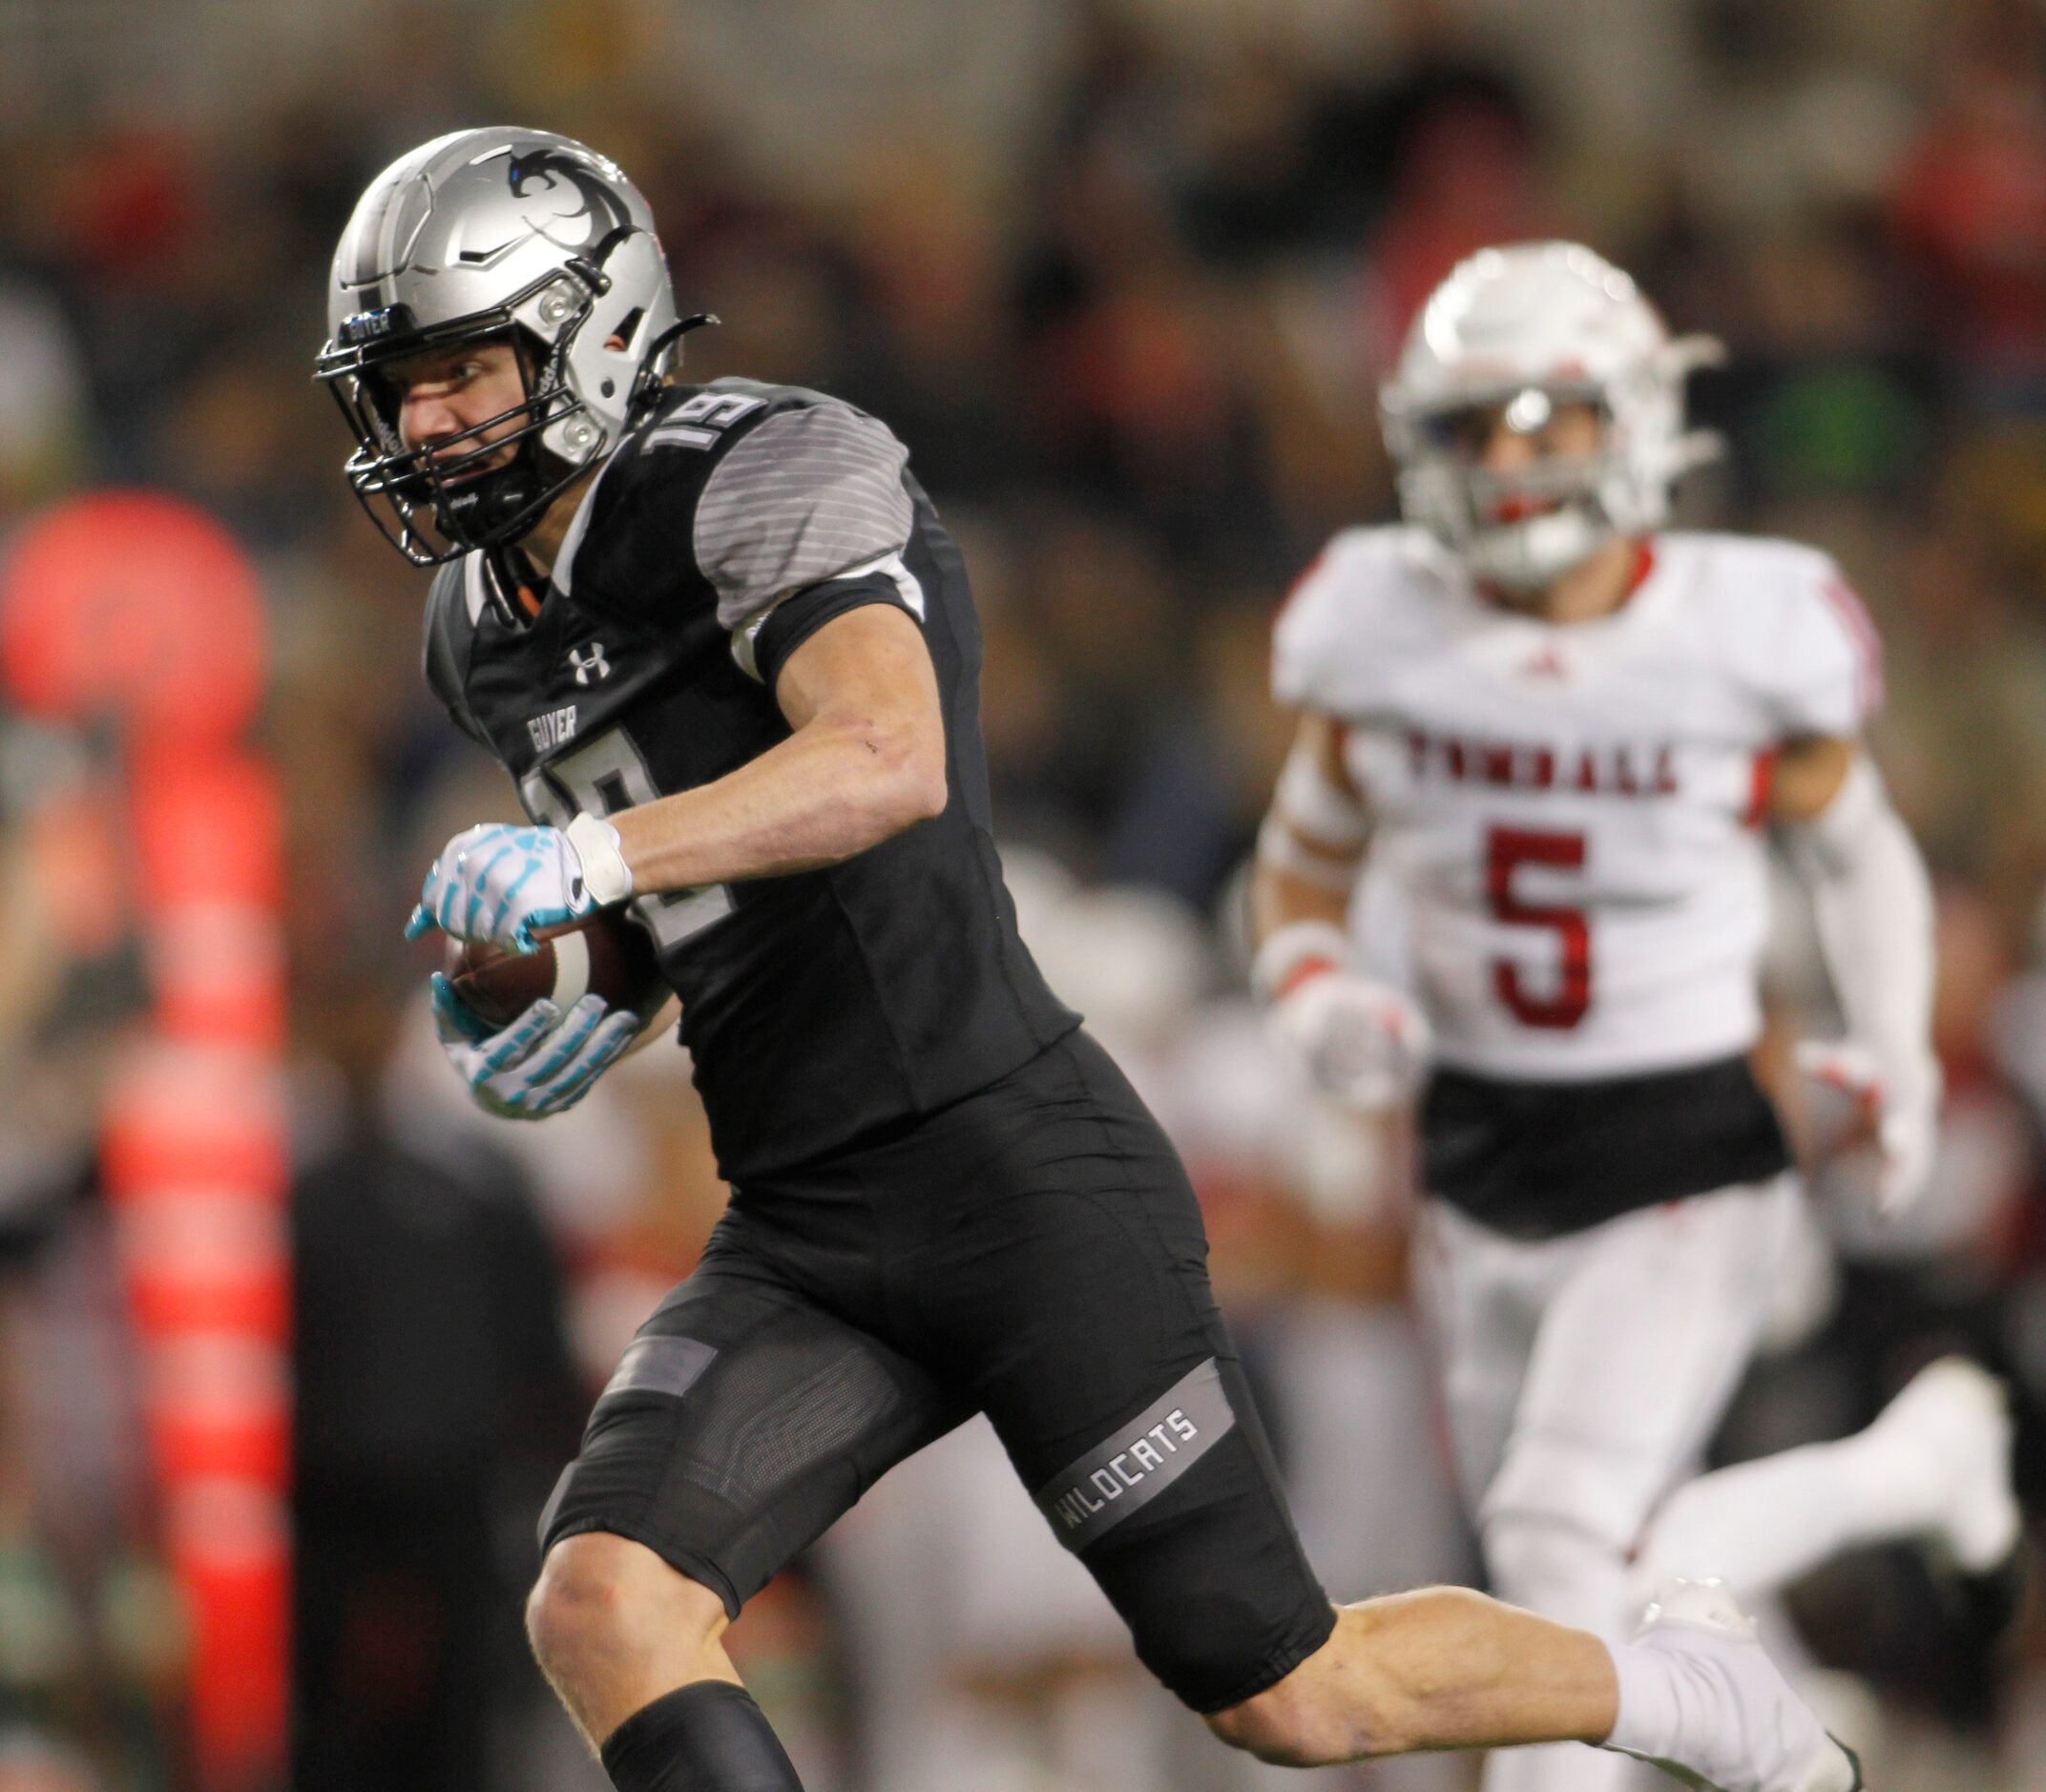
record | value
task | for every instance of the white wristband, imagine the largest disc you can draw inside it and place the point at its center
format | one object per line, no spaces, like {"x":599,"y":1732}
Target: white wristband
{"x":1650,"y":1718}
{"x":1288,"y":949}
{"x":605,"y":874}
{"x":1280,"y":849}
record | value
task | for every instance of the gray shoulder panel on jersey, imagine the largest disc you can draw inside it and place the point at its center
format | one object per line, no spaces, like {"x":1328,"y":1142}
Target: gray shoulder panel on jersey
{"x":454,"y":604}
{"x":807,"y":495}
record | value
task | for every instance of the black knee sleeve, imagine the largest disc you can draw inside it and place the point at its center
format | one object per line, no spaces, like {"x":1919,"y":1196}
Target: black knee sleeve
{"x":706,"y":1736}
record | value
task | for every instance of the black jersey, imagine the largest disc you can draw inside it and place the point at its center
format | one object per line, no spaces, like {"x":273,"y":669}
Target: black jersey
{"x":723,"y":532}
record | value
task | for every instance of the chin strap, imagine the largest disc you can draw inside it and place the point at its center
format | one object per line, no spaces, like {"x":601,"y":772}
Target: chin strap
{"x":510,"y":586}
{"x":648,"y":384}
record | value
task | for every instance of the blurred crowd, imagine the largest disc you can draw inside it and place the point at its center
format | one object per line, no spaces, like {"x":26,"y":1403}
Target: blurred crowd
{"x":1123,"y":274}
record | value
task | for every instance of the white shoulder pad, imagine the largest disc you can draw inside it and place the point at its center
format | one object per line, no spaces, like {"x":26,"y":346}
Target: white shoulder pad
{"x":1349,"y":616}
{"x":807,"y":495}
{"x":1794,"y":633}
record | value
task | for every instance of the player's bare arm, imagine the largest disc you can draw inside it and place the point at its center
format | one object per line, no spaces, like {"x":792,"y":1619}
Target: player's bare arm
{"x":1311,"y":844}
{"x":1363,"y":1042}
{"x":1807,"y":775}
{"x":867,"y":760}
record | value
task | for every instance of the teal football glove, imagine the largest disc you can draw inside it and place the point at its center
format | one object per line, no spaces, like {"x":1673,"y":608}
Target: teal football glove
{"x":508,"y":884}
{"x":544,"y":1062}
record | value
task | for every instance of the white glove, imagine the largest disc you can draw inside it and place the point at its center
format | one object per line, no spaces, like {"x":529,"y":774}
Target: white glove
{"x":508,"y":884}
{"x":1899,"y":1111}
{"x":545,"y":1061}
{"x":1365,"y":1044}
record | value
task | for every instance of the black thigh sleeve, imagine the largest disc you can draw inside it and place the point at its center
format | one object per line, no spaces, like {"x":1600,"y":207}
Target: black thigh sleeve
{"x":1052,"y":1252}
{"x":743,"y":1419}
{"x":1034,"y":1251}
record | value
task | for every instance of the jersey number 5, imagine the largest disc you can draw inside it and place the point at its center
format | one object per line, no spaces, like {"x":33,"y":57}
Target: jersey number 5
{"x":1506,"y":850}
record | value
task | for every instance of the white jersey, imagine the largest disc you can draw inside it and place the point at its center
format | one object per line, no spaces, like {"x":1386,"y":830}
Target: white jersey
{"x":1573,"y":811}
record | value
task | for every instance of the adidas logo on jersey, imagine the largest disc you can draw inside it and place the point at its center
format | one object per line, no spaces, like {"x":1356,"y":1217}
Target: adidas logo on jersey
{"x":553,"y":728}
{"x":1623,"y":768}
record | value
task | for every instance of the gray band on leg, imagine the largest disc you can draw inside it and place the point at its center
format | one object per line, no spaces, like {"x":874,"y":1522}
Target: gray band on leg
{"x":1141,"y":1461}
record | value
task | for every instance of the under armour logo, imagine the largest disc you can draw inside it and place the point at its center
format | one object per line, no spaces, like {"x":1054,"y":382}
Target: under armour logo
{"x":590,"y":662}
{"x":1548,"y":663}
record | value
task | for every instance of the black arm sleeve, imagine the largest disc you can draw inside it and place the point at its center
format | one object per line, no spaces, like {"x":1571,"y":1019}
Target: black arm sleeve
{"x":799,"y":616}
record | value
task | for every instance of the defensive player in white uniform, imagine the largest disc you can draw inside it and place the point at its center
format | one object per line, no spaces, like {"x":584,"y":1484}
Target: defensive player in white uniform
{"x":1564,"y":730}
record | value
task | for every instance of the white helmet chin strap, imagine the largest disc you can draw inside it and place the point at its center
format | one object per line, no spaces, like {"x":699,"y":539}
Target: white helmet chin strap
{"x":1529,"y":556}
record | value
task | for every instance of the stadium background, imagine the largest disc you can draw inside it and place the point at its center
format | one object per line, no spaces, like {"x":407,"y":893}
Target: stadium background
{"x":1123,"y":272}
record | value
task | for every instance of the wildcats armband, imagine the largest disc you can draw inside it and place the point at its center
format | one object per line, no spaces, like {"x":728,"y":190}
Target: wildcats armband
{"x":1283,"y":849}
{"x":1317,"y":827}
{"x":1325,"y":812}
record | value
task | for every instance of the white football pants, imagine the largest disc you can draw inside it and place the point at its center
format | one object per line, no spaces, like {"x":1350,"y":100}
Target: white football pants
{"x":1583,"y":1377}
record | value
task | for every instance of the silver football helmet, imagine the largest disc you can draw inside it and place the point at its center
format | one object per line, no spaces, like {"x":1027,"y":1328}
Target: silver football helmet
{"x":509,"y":234}
{"x":1521,"y":330}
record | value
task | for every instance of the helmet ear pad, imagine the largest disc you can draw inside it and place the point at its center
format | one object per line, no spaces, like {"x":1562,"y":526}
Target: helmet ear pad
{"x":608,"y":376}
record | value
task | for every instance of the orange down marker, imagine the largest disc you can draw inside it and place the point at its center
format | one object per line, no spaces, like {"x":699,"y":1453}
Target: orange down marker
{"x":137,"y":611}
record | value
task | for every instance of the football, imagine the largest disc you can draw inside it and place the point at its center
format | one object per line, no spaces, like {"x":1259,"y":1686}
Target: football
{"x":610,"y":955}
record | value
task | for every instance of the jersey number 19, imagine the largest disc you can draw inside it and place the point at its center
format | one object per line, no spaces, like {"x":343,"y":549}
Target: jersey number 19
{"x":601,"y":777}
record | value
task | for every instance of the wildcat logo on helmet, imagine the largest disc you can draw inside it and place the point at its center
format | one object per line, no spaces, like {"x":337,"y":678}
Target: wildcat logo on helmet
{"x":561,"y":178}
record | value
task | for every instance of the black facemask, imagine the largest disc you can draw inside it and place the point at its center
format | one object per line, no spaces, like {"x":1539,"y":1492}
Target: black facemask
{"x":469,"y":506}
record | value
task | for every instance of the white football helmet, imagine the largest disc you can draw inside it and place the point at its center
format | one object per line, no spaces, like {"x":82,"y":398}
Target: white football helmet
{"x":496,"y":233}
{"x":1526,"y":328}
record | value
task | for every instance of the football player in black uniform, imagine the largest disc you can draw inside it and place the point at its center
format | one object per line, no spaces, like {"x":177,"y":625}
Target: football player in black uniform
{"x":722,"y":641}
